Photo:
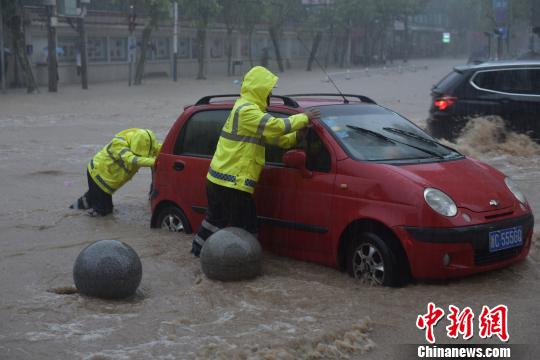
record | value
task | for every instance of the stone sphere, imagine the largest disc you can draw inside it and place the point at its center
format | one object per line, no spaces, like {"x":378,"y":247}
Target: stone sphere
{"x":107,"y":269}
{"x":231,"y":254}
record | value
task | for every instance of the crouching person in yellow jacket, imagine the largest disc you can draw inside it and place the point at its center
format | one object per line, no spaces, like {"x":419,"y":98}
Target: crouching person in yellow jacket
{"x":114,"y":165}
{"x":240,"y":155}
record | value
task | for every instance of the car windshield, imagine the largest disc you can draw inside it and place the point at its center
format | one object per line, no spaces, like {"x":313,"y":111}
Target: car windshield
{"x":373,"y":133}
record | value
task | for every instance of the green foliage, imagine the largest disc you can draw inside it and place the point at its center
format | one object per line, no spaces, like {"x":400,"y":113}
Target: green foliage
{"x":249,"y":12}
{"x":520,"y":11}
{"x":200,"y":11}
{"x":277,"y":12}
{"x":230,"y":13}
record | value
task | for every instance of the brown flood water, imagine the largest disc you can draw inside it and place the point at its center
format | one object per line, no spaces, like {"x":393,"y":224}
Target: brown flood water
{"x":294,"y":310}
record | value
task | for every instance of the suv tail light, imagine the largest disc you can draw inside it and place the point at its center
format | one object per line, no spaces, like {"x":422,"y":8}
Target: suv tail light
{"x":444,"y":102}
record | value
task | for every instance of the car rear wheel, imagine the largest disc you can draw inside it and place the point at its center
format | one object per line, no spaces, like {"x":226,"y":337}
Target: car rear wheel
{"x":171,"y":218}
{"x":372,"y":261}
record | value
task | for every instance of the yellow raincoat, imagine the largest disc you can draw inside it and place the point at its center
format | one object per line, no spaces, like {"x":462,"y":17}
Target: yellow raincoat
{"x":118,"y":161}
{"x":240,"y":152}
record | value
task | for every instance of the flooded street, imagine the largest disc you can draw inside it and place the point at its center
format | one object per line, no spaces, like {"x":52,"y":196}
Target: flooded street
{"x":295,"y":310}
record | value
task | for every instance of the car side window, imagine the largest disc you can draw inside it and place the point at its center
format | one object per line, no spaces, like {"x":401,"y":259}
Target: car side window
{"x":485,"y":80}
{"x":317,"y":156}
{"x":517,"y":81}
{"x":200,"y":134}
{"x":274,"y":154}
{"x":535,"y":76}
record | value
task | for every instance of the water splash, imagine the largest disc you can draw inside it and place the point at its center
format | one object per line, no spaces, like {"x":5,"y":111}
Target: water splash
{"x":488,"y":136}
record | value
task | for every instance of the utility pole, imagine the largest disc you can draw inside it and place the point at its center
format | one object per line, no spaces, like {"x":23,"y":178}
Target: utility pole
{"x":175,"y":41}
{"x":82,"y":41}
{"x":2,"y":58}
{"x":52,"y":62}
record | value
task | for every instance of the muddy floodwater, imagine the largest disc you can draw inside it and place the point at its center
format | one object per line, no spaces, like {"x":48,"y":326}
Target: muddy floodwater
{"x":294,"y":310}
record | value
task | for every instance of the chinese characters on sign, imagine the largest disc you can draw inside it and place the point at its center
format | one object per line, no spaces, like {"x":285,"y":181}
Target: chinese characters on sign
{"x":491,"y":322}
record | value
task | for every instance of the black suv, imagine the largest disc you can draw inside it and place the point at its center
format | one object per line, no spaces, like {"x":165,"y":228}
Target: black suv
{"x":510,"y":90}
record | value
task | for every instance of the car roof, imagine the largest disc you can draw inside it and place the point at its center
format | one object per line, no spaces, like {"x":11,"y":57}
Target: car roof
{"x":293,"y":100}
{"x":498,"y":65}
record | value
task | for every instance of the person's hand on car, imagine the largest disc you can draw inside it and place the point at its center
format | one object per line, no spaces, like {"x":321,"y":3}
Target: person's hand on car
{"x":313,"y":113}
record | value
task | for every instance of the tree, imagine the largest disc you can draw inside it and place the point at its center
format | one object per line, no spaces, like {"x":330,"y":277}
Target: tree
{"x":277,"y":12}
{"x":156,"y":10}
{"x":319,"y":19}
{"x":350,"y":14}
{"x":249,"y":18}
{"x":201,"y":12}
{"x":407,"y":9}
{"x":231,"y":17}
{"x":520,"y":10}
{"x":13,"y":17}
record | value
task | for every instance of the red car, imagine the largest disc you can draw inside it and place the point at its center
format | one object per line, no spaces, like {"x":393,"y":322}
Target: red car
{"x":368,"y":192}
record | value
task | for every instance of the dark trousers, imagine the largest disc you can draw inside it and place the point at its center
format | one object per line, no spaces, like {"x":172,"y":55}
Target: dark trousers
{"x":95,"y":198}
{"x":226,"y":207}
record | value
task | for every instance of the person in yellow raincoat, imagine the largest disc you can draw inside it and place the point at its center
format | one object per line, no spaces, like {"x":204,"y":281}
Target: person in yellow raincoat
{"x":240,"y":155}
{"x":114,"y":165}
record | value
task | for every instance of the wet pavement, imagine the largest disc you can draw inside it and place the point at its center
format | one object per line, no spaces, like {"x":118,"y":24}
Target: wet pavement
{"x":295,"y":310}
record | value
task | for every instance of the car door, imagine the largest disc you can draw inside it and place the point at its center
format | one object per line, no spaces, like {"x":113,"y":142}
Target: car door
{"x":308,"y":238}
{"x":188,"y":165}
{"x":274,"y":197}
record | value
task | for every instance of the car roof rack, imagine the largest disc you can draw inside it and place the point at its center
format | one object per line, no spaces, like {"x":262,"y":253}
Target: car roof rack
{"x":287,"y":101}
{"x":362,"y":98}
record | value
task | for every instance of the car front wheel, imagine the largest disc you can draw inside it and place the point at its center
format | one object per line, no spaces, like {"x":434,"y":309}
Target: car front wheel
{"x":371,"y":260}
{"x":171,"y":218}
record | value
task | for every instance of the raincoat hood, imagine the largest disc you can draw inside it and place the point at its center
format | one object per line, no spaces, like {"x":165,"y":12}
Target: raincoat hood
{"x":142,"y":142}
{"x":257,"y":85}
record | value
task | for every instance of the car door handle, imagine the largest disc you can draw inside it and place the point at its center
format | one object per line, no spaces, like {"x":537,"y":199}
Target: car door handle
{"x":505,"y":101}
{"x":178,"y":166}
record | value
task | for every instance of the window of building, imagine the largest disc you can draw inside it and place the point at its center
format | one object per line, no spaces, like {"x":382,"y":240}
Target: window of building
{"x":67,"y":48}
{"x":216,"y":48}
{"x":161,"y":48}
{"x":118,"y":48}
{"x":96,"y":49}
{"x":183,"y":47}
{"x":194,"y":48}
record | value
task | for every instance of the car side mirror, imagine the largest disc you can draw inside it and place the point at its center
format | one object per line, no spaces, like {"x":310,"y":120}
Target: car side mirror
{"x":296,"y":159}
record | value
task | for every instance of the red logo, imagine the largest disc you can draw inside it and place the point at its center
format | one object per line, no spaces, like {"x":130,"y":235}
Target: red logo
{"x":429,"y":320}
{"x":492,"y":321}
{"x":460,"y":322}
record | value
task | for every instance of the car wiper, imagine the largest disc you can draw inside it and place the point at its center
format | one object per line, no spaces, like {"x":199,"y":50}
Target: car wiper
{"x":393,"y":141}
{"x":418,"y":137}
{"x":372,"y":133}
{"x":411,"y":135}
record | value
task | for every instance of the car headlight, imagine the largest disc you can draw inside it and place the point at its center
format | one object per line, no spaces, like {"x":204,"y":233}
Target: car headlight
{"x":440,"y":202}
{"x":515,"y":190}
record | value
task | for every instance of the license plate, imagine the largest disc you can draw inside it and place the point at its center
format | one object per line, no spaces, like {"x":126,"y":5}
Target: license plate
{"x":505,"y":239}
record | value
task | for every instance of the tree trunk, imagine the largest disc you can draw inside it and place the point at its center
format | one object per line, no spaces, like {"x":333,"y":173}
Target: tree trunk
{"x":329,"y":47}
{"x":407,"y":45}
{"x":139,"y":72}
{"x":344,"y":49}
{"x":201,"y":38}
{"x":229,"y":51}
{"x":250,"y":53}
{"x":314,"y":48}
{"x":275,"y":41}
{"x":20,"y":55}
